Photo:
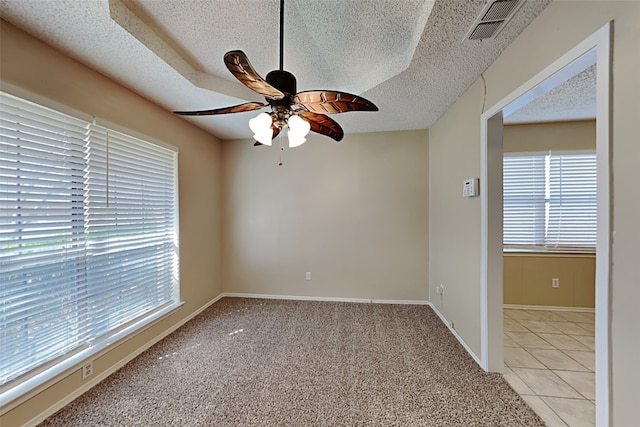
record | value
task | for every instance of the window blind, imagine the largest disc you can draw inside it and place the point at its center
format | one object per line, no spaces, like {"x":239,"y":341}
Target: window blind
{"x":550,"y":201}
{"x":572,"y":202}
{"x":131,"y":239}
{"x":524,"y":200}
{"x":42,"y":253}
{"x":88,"y":234}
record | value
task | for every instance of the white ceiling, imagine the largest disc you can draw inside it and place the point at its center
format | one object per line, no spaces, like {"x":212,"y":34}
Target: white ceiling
{"x":573,"y":100}
{"x":410,"y":57}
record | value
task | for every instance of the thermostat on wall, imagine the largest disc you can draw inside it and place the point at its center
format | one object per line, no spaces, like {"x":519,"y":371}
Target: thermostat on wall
{"x":470,"y":187}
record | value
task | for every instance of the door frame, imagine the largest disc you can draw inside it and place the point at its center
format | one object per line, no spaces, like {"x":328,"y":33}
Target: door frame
{"x":596,"y":49}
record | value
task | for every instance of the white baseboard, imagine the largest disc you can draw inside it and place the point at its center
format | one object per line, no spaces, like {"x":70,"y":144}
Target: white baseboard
{"x":97,"y":379}
{"x":549,"y":308}
{"x":400,"y":301}
{"x":292,"y":297}
{"x":327,"y":299}
{"x":455,"y":334}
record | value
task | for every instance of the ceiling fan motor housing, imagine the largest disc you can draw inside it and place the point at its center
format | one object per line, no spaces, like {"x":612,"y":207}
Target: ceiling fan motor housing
{"x":283,"y":81}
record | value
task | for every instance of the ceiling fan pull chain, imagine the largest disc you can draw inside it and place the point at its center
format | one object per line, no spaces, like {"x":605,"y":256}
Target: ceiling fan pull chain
{"x":281,"y":149}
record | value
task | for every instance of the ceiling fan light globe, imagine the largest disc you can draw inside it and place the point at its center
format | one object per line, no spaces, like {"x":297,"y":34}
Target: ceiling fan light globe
{"x":298,"y":126}
{"x":261,"y":124}
{"x":295,"y":139}
{"x":264,"y":138}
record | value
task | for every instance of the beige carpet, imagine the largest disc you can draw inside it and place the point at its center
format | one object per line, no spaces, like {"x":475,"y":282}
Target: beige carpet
{"x":247,"y":362}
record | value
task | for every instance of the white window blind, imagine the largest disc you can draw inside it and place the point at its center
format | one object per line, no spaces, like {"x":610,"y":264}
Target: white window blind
{"x":130,"y":227}
{"x":88,"y":234}
{"x":572,"y":202}
{"x":42,"y":254}
{"x":524,"y":200}
{"x":550,"y":202}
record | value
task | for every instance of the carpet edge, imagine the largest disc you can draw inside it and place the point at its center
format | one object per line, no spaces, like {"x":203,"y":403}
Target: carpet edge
{"x":328,"y":299}
{"x":43,"y":415}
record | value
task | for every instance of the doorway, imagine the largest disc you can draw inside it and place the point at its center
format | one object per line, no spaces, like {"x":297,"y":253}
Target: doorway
{"x":594,"y":50}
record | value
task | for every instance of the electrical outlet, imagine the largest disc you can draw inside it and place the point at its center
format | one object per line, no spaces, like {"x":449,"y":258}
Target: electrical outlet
{"x":308,"y":275}
{"x":87,"y":370}
{"x":555,"y":282}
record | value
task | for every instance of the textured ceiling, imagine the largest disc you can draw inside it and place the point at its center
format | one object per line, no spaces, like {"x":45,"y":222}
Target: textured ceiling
{"x":409,"y":57}
{"x":573,"y":100}
{"x":360,"y":61}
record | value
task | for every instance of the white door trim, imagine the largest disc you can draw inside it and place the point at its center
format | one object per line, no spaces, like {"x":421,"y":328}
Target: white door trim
{"x":595,"y":49}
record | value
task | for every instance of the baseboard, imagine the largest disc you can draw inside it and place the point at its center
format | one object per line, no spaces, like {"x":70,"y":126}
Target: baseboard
{"x":549,"y":308}
{"x":455,"y":334}
{"x":327,"y":299}
{"x":400,"y":301}
{"x":97,"y":379}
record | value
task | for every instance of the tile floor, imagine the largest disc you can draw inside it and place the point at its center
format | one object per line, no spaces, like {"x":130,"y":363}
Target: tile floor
{"x":549,"y":360}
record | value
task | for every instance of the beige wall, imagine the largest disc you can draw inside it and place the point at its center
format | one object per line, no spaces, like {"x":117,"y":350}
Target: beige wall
{"x":561,"y":136}
{"x":527,"y":280}
{"x":34,"y":66}
{"x":454,"y":154}
{"x":354,"y":214}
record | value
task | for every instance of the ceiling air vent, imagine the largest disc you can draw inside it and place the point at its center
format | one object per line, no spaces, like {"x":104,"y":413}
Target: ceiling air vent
{"x":493,"y":18}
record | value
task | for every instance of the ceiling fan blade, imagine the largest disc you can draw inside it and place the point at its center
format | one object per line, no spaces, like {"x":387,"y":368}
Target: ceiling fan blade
{"x":323,"y":125}
{"x":241,"y":108}
{"x":332,"y":102}
{"x":239,"y":65}
{"x":276,"y":132}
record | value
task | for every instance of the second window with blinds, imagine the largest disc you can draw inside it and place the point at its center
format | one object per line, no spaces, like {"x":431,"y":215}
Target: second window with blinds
{"x":550,"y":201}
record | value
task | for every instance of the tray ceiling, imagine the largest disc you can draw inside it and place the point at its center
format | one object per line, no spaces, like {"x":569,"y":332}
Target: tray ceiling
{"x":410,"y":57}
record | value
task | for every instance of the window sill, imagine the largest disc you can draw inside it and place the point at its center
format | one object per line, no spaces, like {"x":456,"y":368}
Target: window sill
{"x":533,"y":253}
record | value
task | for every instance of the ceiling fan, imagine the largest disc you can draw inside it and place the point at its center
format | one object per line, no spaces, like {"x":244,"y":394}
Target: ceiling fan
{"x":299,"y":111}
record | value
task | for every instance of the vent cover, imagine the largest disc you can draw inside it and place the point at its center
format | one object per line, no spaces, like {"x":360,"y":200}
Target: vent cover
{"x":493,"y":18}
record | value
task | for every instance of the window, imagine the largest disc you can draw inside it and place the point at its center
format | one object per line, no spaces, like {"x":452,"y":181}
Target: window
{"x":88,"y":236}
{"x":550,"y":202}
